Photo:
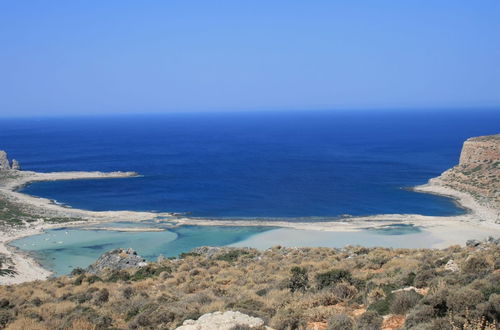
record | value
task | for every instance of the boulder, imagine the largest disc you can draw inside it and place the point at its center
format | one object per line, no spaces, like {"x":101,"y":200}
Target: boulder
{"x":222,"y":321}
{"x":473,"y":243}
{"x":117,"y":260}
{"x":451,"y":266}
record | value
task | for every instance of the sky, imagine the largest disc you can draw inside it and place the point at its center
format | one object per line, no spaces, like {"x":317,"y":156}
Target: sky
{"x":94,"y":57}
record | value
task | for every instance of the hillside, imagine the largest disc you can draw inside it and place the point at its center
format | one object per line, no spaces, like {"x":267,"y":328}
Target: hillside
{"x":288,"y":288}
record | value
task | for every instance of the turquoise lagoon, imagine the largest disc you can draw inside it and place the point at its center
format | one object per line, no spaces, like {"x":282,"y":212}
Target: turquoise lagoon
{"x":64,"y":249}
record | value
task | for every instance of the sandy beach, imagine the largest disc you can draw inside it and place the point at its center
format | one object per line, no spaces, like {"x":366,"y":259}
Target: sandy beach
{"x":477,"y":223}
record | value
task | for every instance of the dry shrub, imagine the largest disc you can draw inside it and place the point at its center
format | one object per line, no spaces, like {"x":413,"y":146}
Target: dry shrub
{"x":56,"y":310}
{"x":344,"y":291}
{"x":82,"y":324}
{"x":259,"y":287}
{"x":471,"y":322}
{"x":288,"y":319}
{"x":25,"y":323}
{"x":375,"y":295}
{"x":476,"y":265}
{"x":320,"y":313}
{"x":340,"y":321}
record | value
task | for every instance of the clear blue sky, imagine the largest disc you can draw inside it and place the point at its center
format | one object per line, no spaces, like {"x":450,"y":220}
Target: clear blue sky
{"x":121,"y":56}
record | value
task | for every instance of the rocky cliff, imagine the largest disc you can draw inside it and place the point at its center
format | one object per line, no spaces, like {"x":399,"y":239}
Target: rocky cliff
{"x":478,"y":171}
{"x":5,"y":163}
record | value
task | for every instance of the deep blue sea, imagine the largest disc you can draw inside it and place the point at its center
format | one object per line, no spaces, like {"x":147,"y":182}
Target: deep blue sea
{"x":246,"y":165}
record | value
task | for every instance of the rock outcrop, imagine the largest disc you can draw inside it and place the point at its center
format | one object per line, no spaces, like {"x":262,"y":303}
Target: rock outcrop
{"x":478,"y":172}
{"x":4,"y":161}
{"x":117,"y":260}
{"x":5,"y":164}
{"x":15,"y":165}
{"x":223,"y":321}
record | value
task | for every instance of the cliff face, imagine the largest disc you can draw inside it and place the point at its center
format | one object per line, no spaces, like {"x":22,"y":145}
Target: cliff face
{"x":478,"y":172}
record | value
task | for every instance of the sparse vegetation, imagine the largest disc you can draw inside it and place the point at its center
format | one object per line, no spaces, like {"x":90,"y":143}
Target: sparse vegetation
{"x":350,"y":288}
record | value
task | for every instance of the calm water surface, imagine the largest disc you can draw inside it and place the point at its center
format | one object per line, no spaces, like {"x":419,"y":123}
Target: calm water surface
{"x":300,"y":164}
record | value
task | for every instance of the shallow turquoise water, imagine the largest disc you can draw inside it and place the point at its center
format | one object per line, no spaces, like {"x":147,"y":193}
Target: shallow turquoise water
{"x":61,"y":250}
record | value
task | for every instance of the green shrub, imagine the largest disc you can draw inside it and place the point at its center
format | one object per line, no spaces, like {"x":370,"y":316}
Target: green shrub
{"x":495,"y":304}
{"x":419,"y":315}
{"x":102,"y":296}
{"x":77,"y":271}
{"x":118,"y":275}
{"x":232,"y":255}
{"x":369,"y":321}
{"x":331,"y":277}
{"x":424,"y":277}
{"x":5,"y":317}
{"x":184,"y":255}
{"x":149,"y":271}
{"x":246,"y":306}
{"x":299,"y":281}
{"x":93,"y":278}
{"x":5,"y":303}
{"x":262,"y":292}
{"x":438,"y":302}
{"x":475,"y":265}
{"x":403,"y":301}
{"x":79,"y":280}
{"x":382,"y":306}
{"x":463,"y":299}
{"x":128,"y":292}
{"x":36,"y":301}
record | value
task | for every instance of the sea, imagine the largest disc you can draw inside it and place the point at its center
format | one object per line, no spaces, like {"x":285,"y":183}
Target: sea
{"x":274,"y":165}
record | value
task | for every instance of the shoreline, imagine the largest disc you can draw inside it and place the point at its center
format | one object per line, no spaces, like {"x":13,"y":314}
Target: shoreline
{"x":448,"y":230}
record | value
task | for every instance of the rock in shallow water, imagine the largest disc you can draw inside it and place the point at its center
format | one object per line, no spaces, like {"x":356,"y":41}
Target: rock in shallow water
{"x":117,"y":260}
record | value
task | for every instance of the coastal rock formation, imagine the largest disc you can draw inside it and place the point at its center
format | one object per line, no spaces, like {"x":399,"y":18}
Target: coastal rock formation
{"x":15,"y":165}
{"x":478,"y":172}
{"x":223,"y":321}
{"x":5,"y":164}
{"x":4,"y":161}
{"x":117,"y":260}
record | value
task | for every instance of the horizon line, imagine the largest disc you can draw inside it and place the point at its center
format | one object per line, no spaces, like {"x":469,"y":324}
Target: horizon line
{"x":249,"y":111}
